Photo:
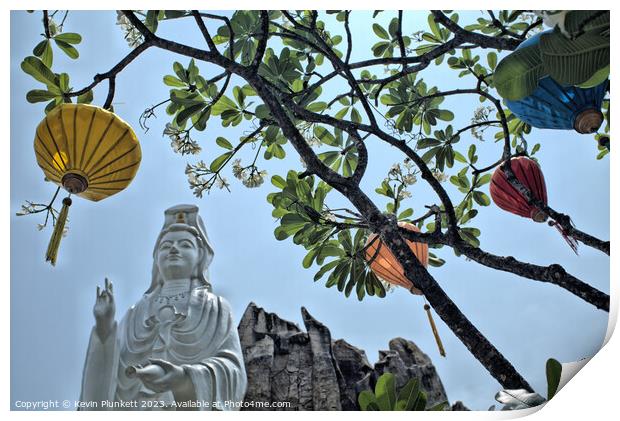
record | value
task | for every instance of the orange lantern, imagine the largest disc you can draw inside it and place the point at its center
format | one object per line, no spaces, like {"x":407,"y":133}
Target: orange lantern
{"x":384,"y":264}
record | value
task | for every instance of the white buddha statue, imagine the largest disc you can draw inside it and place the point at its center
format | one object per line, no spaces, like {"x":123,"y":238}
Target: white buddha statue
{"x":177,"y":347}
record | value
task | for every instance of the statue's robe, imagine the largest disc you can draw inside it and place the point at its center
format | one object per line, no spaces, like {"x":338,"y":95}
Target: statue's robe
{"x":204,"y":341}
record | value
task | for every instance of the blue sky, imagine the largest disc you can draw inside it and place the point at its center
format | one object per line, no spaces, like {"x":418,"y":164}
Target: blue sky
{"x":51,"y":307}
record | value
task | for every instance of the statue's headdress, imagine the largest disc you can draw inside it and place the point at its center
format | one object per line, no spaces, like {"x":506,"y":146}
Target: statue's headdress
{"x":185,"y":218}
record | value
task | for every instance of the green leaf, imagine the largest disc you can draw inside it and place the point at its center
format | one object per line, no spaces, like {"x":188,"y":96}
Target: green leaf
{"x":578,"y":21}
{"x":379,"y":48}
{"x":470,"y":214}
{"x":325,"y":136}
{"x":188,"y":112}
{"x":492,"y":60}
{"x":38,"y":95}
{"x":180,"y":71}
{"x":35,"y":68}
{"x":360,"y":287}
{"x":571,"y":62}
{"x":63,"y":82}
{"x":554,"y":372}
{"x":331,"y":250}
{"x":67,"y":48}
{"x":385,"y":390}
{"x":39,"y":48}
{"x":408,"y":396}
{"x":428,"y":142}
{"x":317,"y":107}
{"x":435,"y":261}
{"x":173,"y":81}
{"x":223,"y":104}
{"x":278,"y":181}
{"x":174,"y":14}
{"x":445,"y":115}
{"x":326,"y":268}
{"x":365,"y":399}
{"x":151,"y":20}
{"x":420,"y":404}
{"x":69,"y":37}
{"x":487,"y":177}
{"x":86,"y":98}
{"x":219,"y":161}
{"x":438,"y":407}
{"x":596,"y":79}
{"x":379,"y":31}
{"x":405,"y":214}
{"x":517,"y":75}
{"x":309,"y":258}
{"x":223,"y":143}
{"x":434,"y":27}
{"x":48,"y":55}
{"x":481,"y":198}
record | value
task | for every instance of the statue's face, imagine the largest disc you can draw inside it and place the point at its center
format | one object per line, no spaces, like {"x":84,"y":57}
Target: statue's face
{"x":177,"y":255}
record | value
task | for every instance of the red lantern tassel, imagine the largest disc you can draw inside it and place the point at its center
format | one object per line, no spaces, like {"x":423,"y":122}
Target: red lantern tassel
{"x":572,"y":241}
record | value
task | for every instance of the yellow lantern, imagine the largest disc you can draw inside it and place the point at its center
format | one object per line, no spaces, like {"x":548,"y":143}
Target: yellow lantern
{"x":385,"y":265}
{"x":88,"y":151}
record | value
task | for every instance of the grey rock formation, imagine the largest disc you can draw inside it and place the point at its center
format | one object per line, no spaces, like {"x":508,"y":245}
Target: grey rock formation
{"x":312,"y":372}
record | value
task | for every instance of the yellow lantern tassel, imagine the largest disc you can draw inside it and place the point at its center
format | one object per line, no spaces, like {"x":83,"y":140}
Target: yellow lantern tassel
{"x":442,"y":352}
{"x":52,"y":248}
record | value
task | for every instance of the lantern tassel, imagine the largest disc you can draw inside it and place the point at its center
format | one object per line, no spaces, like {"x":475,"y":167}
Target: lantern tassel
{"x":572,"y":241}
{"x":442,"y":351}
{"x":59,"y":227}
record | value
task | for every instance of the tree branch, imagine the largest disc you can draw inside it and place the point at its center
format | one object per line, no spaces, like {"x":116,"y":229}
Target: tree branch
{"x":483,"y":41}
{"x":262,"y":42}
{"x":562,"y":219}
{"x":204,"y":30}
{"x":114,"y":70}
{"x":553,"y":274}
{"x":399,"y":35}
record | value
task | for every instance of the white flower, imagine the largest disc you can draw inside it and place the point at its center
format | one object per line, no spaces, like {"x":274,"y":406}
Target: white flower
{"x":404,"y":194}
{"x":221,"y":183}
{"x":329,"y":217}
{"x":254,"y":179}
{"x":238,"y":171}
{"x":395,"y":169}
{"x":192,"y":178}
{"x":133,"y":37}
{"x":313,"y":141}
{"x":409,"y":179}
{"x":440,"y":176}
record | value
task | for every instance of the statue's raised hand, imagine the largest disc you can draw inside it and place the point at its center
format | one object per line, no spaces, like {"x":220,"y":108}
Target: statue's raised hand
{"x":104,"y":310}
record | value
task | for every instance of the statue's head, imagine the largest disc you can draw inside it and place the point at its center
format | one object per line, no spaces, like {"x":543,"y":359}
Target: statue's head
{"x":182,"y":249}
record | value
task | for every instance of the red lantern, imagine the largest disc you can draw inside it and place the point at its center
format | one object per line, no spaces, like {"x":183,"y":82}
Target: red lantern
{"x":508,"y":198}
